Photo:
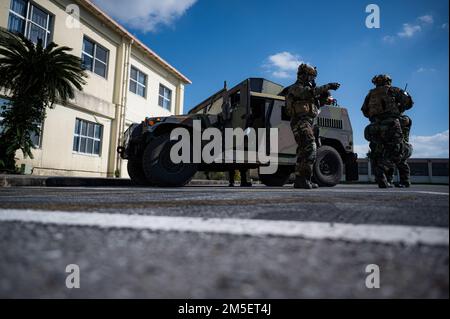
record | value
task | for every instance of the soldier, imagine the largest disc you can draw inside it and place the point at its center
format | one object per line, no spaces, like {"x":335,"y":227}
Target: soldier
{"x":244,"y":178}
{"x":388,"y":132}
{"x":302,"y":104}
{"x":406,"y":152}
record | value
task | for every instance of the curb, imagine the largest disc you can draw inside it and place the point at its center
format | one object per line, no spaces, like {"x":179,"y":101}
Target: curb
{"x":60,"y":181}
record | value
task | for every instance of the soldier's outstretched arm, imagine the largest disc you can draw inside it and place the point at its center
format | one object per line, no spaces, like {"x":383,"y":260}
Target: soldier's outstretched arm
{"x":320,"y":90}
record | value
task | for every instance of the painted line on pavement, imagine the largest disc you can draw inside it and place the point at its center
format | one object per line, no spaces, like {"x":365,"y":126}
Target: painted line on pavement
{"x":388,"y":234}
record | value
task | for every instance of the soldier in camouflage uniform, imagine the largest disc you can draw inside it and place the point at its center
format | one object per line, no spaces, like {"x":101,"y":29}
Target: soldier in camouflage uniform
{"x":402,"y":162}
{"x":302,"y":104}
{"x":388,"y":132}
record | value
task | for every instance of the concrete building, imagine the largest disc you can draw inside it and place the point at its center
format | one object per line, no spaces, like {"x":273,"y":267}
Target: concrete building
{"x":127,"y":82}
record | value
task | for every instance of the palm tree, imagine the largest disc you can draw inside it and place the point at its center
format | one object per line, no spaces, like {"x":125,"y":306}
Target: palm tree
{"x":35,"y":77}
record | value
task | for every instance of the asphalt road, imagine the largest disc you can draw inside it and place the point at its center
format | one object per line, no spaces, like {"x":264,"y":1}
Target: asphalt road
{"x":220,"y":242}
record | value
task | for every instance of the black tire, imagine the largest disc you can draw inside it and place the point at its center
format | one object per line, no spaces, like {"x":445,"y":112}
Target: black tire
{"x":136,"y":172}
{"x":160,"y":170}
{"x":328,"y":167}
{"x":280,"y":178}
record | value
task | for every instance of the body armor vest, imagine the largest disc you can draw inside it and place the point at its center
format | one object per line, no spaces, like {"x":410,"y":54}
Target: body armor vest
{"x":381,"y":101}
{"x":299,"y":107}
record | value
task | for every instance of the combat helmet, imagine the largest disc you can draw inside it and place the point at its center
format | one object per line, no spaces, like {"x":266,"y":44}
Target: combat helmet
{"x":306,"y":73}
{"x":381,"y":80}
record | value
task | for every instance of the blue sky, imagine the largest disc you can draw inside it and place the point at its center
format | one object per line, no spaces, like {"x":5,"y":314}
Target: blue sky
{"x":211,"y":41}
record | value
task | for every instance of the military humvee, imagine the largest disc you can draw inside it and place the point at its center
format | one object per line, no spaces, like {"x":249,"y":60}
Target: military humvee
{"x":254,"y":103}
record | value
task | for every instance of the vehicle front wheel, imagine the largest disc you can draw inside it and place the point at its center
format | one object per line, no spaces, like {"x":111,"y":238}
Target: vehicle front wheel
{"x":136,"y":172}
{"x":159,"y":168}
{"x":328,"y":167}
{"x":280,"y":178}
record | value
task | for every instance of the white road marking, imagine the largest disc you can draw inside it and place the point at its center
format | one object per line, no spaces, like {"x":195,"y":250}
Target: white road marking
{"x":388,"y":234}
{"x":377,"y":191}
{"x":224,"y":187}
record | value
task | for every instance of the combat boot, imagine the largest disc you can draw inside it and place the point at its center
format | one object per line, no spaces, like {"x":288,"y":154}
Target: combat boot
{"x":383,"y":183}
{"x":390,"y":180}
{"x":244,"y":179}
{"x":403,"y":184}
{"x":304,"y":183}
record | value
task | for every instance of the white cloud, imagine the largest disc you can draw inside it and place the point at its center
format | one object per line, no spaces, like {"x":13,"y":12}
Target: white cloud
{"x":409,"y":30}
{"x":145,"y":15}
{"x":426,"y":19}
{"x":423,"y":70}
{"x":283,"y":64}
{"x":432,"y":146}
{"x":444,"y":26}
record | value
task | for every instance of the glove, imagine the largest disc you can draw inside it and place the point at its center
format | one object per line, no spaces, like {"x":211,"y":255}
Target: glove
{"x":333,"y":86}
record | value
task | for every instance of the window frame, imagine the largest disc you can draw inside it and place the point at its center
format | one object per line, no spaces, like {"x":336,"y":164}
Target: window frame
{"x":87,"y":137}
{"x":137,"y":82}
{"x":38,"y":145}
{"x":164,"y":97}
{"x":1,"y":111}
{"x":94,"y":57}
{"x":28,"y":20}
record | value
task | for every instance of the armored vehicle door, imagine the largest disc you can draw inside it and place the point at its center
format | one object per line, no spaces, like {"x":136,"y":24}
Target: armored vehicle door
{"x":276,"y":117}
{"x":239,"y":106}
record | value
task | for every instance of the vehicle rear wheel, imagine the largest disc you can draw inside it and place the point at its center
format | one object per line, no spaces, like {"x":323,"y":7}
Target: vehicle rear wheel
{"x":159,"y":168}
{"x":328,"y":167}
{"x":136,"y":172}
{"x":280,"y":178}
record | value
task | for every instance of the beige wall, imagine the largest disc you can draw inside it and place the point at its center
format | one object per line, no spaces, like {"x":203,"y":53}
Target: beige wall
{"x":139,"y":107}
{"x":4,"y":12}
{"x":105,"y":101}
{"x":72,"y":37}
{"x":56,"y":156}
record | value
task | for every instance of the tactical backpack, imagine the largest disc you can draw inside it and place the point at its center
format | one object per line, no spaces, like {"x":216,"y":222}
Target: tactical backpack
{"x":381,"y":101}
{"x":387,"y":131}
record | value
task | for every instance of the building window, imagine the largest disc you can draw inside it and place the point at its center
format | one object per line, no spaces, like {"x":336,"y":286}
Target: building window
{"x":27,"y":19}
{"x":363,"y":168}
{"x":165,"y":97}
{"x":3,"y":103}
{"x":419,"y":169}
{"x":440,"y":169}
{"x":94,"y":57}
{"x":87,"y":138}
{"x":35,"y":138}
{"x":138,"y":82}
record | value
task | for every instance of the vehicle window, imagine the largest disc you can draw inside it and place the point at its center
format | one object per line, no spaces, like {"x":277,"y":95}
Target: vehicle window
{"x":235,"y":99}
{"x":216,"y":107}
